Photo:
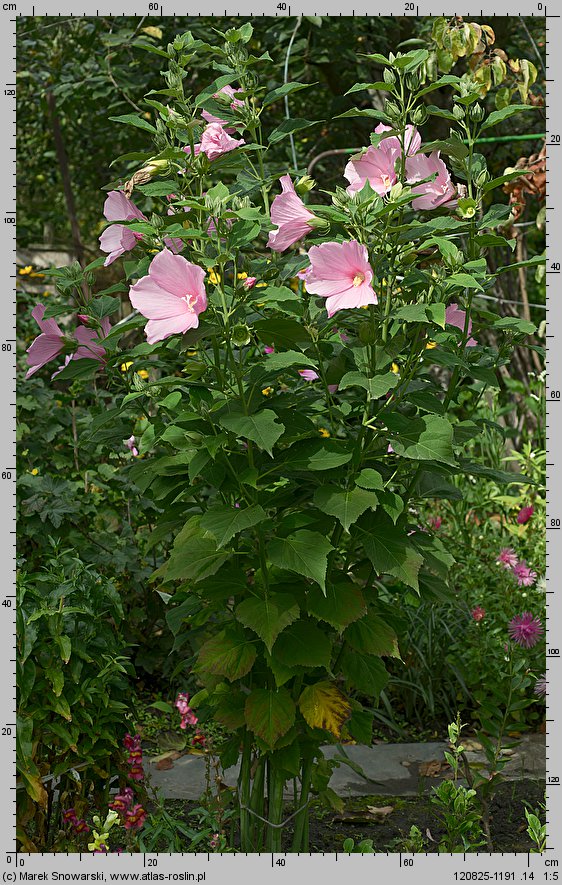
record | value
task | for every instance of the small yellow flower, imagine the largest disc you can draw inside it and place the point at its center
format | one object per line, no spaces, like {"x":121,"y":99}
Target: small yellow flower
{"x":58,"y":402}
{"x":142,"y":373}
{"x":25,"y":270}
{"x":243,"y":275}
{"x":430,"y":345}
{"x":395,"y":368}
{"x":126,"y":366}
{"x":38,"y":275}
{"x":323,"y":432}
{"x":267,"y":391}
{"x":261,"y":285}
{"x":294,"y":284}
{"x":34,"y":472}
{"x":192,"y":353}
{"x":214,"y":278}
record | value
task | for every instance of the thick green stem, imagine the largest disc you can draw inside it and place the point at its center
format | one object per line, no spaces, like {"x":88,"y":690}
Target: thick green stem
{"x":300,"y":836}
{"x":275,"y":807}
{"x":244,"y":793}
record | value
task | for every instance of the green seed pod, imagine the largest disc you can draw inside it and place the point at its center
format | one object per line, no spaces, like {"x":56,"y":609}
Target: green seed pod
{"x":241,"y":335}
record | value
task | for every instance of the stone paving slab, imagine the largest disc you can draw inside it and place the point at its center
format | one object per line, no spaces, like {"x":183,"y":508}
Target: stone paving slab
{"x":389,"y":769}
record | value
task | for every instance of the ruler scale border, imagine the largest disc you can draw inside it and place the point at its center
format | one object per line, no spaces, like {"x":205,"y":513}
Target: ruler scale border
{"x":250,"y":869}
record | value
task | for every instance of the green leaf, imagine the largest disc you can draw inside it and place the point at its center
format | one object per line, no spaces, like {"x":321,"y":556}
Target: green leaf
{"x":65,"y":646}
{"x":370,"y":479}
{"x":162,"y":706}
{"x":424,"y":439}
{"x":503,"y":114}
{"x":316,"y":455}
{"x":230,"y":709}
{"x":194,"y":554}
{"x":269,"y":714}
{"x":283,"y":90}
{"x":261,"y":427}
{"x":268,"y":617}
{"x":515,"y":324}
{"x":422,"y":313}
{"x":303,"y":644}
{"x":360,"y":725}
{"x":364,"y":672}
{"x":133,"y":120}
{"x":346,"y":505}
{"x":227,"y":654}
{"x":288,"y":126}
{"x":360,"y":87}
{"x":287,"y":358}
{"x":304,"y":552}
{"x":373,"y":636}
{"x":281,"y":331}
{"x":339,"y":606}
{"x":464,"y":281}
{"x":376,"y":387}
{"x":389,"y":550}
{"x":224,"y":522}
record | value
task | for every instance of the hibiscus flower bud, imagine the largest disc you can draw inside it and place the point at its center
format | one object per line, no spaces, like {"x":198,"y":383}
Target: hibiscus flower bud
{"x":477,"y":112}
{"x":483,"y":178}
{"x":459,"y":112}
{"x":419,"y":116}
{"x":389,"y":77}
{"x":392,"y":110}
{"x":320,"y":224}
{"x":304,"y":185}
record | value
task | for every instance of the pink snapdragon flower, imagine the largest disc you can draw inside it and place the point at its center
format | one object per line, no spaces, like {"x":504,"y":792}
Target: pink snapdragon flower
{"x":214,"y":841}
{"x":188,"y":717}
{"x":122,"y":801}
{"x":47,"y":345}
{"x":507,"y":558}
{"x":438,"y":192}
{"x":435,"y":523}
{"x":309,"y":374}
{"x":117,"y":239}
{"x":131,"y":444}
{"x":291,"y":216}
{"x":525,"y":630}
{"x":525,"y":514}
{"x":171,"y":296}
{"x":216,"y":141}
{"x":455,"y":316}
{"x":478,"y":613}
{"x":249,"y":282}
{"x":524,"y":575}
{"x":267,"y":349}
{"x":235,"y":103}
{"x":341,"y":273}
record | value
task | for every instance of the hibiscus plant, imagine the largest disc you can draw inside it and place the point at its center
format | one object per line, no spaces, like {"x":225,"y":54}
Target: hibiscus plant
{"x":304,"y":364}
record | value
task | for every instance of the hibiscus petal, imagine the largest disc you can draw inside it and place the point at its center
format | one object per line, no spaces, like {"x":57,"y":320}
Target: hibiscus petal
{"x":43,"y":350}
{"x":157,"y":330}
{"x":169,"y":271}
{"x":154,"y":302}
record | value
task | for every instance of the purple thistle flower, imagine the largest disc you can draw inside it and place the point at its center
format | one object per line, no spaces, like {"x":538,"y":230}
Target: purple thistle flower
{"x":525,"y":630}
{"x":507,"y":558}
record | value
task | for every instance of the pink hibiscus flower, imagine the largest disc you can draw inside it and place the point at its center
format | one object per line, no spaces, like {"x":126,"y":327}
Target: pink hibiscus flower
{"x":438,"y":192}
{"x":117,"y":239}
{"x":216,"y":141}
{"x":309,"y":374}
{"x":376,"y":165}
{"x":412,"y":140}
{"x":454,"y":316}
{"x":171,"y":296}
{"x":235,"y":103}
{"x":47,"y":345}
{"x":291,"y":216}
{"x":341,"y":273}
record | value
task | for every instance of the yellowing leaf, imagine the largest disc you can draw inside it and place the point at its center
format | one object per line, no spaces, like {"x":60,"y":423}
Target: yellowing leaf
{"x":153,"y":32}
{"x":324,"y":706}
